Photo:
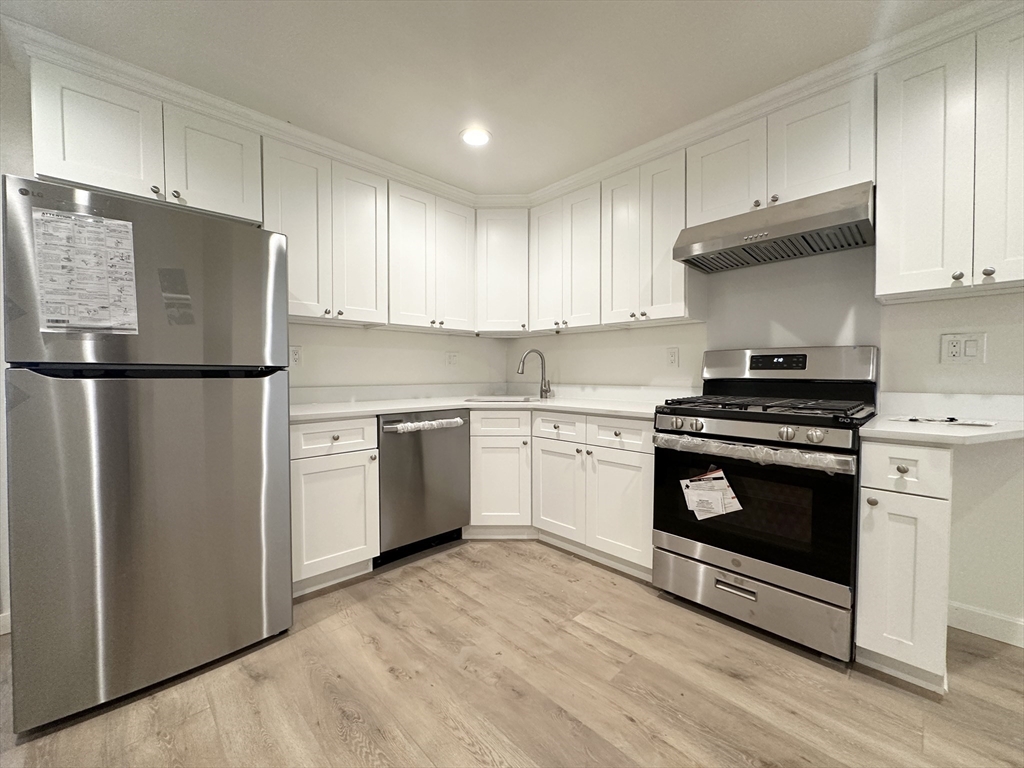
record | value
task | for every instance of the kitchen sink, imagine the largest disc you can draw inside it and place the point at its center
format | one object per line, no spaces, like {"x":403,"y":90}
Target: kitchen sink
{"x":502,"y":399}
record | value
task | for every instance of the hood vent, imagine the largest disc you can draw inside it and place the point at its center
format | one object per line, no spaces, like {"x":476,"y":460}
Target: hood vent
{"x":840,"y":220}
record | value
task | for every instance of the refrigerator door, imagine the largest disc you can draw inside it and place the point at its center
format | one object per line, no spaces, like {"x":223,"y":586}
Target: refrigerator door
{"x":209,"y":291}
{"x":149,"y":530}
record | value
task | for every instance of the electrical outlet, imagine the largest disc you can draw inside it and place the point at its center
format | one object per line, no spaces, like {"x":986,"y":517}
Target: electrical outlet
{"x":295,"y":355}
{"x":672,"y":358}
{"x":963,"y":348}
{"x":451,"y":359}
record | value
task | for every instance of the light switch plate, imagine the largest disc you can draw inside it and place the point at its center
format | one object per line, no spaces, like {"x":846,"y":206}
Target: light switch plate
{"x":451,"y":359}
{"x":294,"y":355}
{"x":672,"y":358}
{"x":963,"y":348}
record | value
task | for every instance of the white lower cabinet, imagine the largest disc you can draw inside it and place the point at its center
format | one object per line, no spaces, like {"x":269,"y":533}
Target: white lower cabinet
{"x":560,"y":488}
{"x":335,"y":512}
{"x":500,"y":480}
{"x":620,"y":503}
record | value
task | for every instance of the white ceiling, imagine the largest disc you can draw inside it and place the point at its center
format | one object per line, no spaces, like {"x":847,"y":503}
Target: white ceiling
{"x":561,"y":85}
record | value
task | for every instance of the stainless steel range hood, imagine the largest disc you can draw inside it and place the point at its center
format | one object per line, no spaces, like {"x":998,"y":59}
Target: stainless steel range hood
{"x":839,"y":220}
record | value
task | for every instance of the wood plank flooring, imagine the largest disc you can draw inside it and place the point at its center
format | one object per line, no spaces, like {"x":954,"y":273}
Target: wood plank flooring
{"x":517,"y":654}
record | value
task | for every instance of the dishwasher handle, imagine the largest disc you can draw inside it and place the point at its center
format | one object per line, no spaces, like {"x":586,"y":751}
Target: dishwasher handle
{"x":403,"y":427}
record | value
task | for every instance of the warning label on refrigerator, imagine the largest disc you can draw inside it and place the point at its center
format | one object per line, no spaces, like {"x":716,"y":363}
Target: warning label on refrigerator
{"x":85,"y":268}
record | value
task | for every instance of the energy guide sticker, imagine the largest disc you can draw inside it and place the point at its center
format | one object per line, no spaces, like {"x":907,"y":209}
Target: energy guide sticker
{"x":85,"y":268}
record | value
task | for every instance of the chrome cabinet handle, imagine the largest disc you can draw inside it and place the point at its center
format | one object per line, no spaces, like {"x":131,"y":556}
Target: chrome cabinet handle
{"x":872,"y":501}
{"x":618,"y":433}
{"x":902,"y":469}
{"x":590,"y":453}
{"x":175,"y":194}
{"x":341,"y":312}
{"x":441,"y":323}
{"x":523,"y":326}
{"x":632,"y":314}
{"x":373,"y":457}
{"x":327,"y":311}
{"x":757,"y":203}
{"x":526,"y":442}
{"x":958,"y":275}
{"x":335,"y":438}
{"x":155,"y":189}
{"x":565,"y":322}
{"x":988,"y":271}
{"x":775,"y":198}
{"x":579,"y":450}
{"x":643,"y":314}
{"x":433,"y":322}
{"x":555,"y":426}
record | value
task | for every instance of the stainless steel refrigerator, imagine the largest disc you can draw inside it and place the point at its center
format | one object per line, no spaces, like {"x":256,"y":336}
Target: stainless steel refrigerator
{"x":147,"y":435}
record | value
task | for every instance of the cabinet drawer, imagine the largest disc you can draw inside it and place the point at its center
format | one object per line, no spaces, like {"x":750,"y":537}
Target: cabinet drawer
{"x":926,"y":470}
{"x":484,"y":423}
{"x":629,"y":434}
{"x":560,"y":426}
{"x":325,"y":438}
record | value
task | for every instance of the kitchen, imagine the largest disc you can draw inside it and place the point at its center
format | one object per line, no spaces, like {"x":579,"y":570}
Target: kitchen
{"x":412,"y":301}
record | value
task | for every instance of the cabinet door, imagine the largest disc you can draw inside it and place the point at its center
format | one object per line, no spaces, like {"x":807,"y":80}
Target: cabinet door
{"x":620,"y":248}
{"x":823,"y":143}
{"x":335,"y":512}
{"x":665,"y":284}
{"x":999,"y":177}
{"x":903,"y":578}
{"x":502,"y":263}
{"x":620,"y":503}
{"x":212,"y":165}
{"x":581,"y":258}
{"x":559,"y":488}
{"x":360,"y":245}
{"x":297,"y":203}
{"x":727,"y":175}
{"x":95,"y":133}
{"x":456,"y":266}
{"x":500,"y":481}
{"x":925,"y":198}
{"x":546,"y":253}
{"x":411,"y":261}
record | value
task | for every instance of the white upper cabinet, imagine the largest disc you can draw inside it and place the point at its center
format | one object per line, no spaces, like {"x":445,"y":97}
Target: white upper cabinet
{"x":925,"y":197}
{"x":502,"y":263}
{"x":297,"y":203}
{"x":360,"y":245}
{"x":727,"y":175}
{"x":89,"y":131}
{"x":581,"y":258}
{"x":822,"y":143}
{"x":212,"y":165}
{"x":411,"y":229}
{"x":999,"y":179}
{"x":455,"y":260}
{"x":546,"y":270}
{"x":620,"y":247}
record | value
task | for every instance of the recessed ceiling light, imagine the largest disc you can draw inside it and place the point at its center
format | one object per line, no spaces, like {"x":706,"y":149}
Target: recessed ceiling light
{"x":475,"y":137}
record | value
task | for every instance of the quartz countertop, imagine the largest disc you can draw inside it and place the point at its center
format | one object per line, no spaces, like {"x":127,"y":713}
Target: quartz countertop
{"x":882,"y":428}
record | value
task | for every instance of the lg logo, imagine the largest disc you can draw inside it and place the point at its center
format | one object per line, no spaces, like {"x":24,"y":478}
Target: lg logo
{"x":23,"y":191}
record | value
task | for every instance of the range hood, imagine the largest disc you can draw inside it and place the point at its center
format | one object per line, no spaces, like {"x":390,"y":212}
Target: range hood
{"x":839,"y":220}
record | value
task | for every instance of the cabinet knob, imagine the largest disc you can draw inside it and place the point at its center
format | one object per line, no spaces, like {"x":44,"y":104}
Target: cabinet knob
{"x":872,"y":501}
{"x":757,"y":203}
{"x":775,"y":198}
{"x":327,"y":311}
{"x":556,"y":323}
{"x":902,"y":469}
{"x":526,"y":442}
{"x":958,"y":275}
{"x":555,"y":426}
{"x":335,"y":438}
{"x":155,"y":189}
{"x":618,"y":433}
{"x":988,"y":271}
{"x":632,"y":314}
{"x":565,"y":322}
{"x":441,"y":323}
{"x":373,"y":457}
{"x":341,"y":312}
{"x":523,"y":326}
{"x":175,"y":194}
{"x":590,"y":453}
{"x":643,"y":314}
{"x":433,"y":322}
{"x":580,"y":450}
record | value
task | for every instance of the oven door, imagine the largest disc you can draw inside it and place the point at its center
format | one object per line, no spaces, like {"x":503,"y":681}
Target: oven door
{"x":797,"y":518}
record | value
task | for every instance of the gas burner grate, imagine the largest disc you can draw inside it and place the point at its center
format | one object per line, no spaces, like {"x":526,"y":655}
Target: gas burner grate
{"x":770,"y":404}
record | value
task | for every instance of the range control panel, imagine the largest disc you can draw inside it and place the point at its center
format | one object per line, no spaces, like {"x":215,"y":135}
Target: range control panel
{"x":778,"y":362}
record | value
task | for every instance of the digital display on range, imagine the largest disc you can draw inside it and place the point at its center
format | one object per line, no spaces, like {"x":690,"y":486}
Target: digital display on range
{"x":778,"y":362}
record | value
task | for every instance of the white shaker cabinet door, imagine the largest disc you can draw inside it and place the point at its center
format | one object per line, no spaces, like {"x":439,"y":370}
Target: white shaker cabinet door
{"x":212,"y":165}
{"x":999,"y":179}
{"x":581,"y":258}
{"x":726,"y":174}
{"x":360,"y":245}
{"x":502,"y":263}
{"x":500,"y":481}
{"x":620,"y":503}
{"x":560,"y":488}
{"x":456,"y":266}
{"x":903,"y":578}
{"x":335,"y":512}
{"x":620,"y":248}
{"x":925,"y":197}
{"x":297,"y":203}
{"x":823,"y":143}
{"x":411,"y":240}
{"x":546,"y":270}
{"x":90,"y":131}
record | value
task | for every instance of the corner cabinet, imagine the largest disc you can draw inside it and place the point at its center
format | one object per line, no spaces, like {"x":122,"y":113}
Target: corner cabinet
{"x":500,"y":484}
{"x":502,"y":267}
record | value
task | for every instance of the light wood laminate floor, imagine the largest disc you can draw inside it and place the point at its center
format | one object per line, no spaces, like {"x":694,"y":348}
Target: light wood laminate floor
{"x":517,"y":654}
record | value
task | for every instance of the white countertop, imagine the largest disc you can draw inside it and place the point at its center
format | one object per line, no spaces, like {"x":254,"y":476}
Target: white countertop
{"x":883,"y":428}
{"x":325,"y":411}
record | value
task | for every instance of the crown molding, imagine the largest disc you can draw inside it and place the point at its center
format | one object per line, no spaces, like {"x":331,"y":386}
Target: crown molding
{"x":30,"y":42}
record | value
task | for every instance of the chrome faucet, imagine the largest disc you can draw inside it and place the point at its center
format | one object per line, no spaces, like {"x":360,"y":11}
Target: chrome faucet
{"x":545,"y":385}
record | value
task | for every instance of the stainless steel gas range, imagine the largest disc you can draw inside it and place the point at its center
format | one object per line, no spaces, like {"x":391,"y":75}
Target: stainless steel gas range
{"x":782,"y":426}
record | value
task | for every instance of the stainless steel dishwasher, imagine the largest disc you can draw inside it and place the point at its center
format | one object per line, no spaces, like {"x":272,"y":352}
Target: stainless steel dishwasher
{"x":424,"y":475}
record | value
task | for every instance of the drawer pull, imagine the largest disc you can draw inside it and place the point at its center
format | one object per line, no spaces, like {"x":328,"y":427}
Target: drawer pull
{"x":872,"y":501}
{"x":732,"y":589}
{"x":590,"y":453}
{"x":373,"y":457}
{"x":580,"y":450}
{"x":902,"y":469}
{"x":618,"y":433}
{"x":555,"y":426}
{"x":335,"y":438}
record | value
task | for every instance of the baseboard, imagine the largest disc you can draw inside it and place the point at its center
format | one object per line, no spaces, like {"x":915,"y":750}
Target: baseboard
{"x":902,"y":671}
{"x":980,"y":621}
{"x":313,"y":583}
{"x":587,"y":553}
{"x":5,"y":623}
{"x":499,"y":532}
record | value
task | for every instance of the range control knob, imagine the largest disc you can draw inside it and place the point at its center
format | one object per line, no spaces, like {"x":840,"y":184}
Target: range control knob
{"x":815,"y":435}
{"x":786,"y":433}
{"x":698,"y":425}
{"x":677,"y":422}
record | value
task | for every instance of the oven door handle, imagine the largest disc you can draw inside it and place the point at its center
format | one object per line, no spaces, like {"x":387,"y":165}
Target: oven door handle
{"x":830,"y":463}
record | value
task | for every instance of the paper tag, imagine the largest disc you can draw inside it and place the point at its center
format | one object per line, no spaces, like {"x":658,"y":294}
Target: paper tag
{"x":704,"y":504}
{"x":711,"y":485}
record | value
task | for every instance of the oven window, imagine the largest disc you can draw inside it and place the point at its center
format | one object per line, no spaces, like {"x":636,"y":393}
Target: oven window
{"x":779,"y":512}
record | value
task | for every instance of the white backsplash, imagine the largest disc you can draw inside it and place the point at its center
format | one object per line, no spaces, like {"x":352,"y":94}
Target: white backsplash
{"x":936,"y":405}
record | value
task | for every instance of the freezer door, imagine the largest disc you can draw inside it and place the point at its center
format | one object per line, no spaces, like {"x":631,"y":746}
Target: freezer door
{"x":209,"y":291}
{"x":149,"y":530}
